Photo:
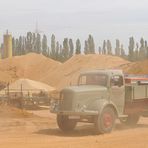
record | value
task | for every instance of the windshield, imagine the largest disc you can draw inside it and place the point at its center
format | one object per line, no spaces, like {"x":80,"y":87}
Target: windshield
{"x":93,"y":79}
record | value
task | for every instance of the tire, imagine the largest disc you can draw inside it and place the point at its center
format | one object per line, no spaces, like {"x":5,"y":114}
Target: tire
{"x":105,"y":122}
{"x":131,"y":120}
{"x":65,"y":124}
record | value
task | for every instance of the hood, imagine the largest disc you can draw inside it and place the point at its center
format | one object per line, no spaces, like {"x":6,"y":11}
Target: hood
{"x":85,"y":88}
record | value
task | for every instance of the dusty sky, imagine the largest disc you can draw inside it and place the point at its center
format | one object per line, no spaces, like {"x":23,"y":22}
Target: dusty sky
{"x":105,"y":19}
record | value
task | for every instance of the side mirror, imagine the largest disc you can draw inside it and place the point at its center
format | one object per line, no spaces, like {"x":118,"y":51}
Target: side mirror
{"x":112,"y":82}
{"x":119,"y":85}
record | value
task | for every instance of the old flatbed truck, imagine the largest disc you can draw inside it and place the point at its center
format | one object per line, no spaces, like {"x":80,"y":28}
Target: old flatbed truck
{"x":101,"y":97}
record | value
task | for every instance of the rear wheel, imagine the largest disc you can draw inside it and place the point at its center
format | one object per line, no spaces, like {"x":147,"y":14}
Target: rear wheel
{"x":105,"y":122}
{"x":65,"y":124}
{"x":131,"y":120}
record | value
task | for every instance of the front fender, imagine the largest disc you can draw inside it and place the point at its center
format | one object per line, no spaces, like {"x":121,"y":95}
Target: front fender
{"x":100,"y":104}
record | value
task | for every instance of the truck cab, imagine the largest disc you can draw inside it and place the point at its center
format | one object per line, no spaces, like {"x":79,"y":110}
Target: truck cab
{"x":100,"y":97}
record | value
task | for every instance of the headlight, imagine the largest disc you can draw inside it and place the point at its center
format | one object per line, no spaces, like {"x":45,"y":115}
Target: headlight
{"x":80,"y":108}
{"x":54,"y":105}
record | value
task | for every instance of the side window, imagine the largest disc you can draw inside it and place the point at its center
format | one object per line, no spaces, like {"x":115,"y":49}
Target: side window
{"x":82,"y":80}
{"x":117,"y":80}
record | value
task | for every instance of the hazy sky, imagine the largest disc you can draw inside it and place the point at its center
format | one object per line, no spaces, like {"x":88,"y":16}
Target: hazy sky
{"x":104,"y":19}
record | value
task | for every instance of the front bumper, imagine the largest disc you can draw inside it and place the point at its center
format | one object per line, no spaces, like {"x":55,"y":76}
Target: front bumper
{"x":85,"y":113}
{"x":79,"y":111}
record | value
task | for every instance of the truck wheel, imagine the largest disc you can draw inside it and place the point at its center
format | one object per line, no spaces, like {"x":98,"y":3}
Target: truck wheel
{"x":65,"y":124}
{"x":105,"y":122}
{"x":131,"y":120}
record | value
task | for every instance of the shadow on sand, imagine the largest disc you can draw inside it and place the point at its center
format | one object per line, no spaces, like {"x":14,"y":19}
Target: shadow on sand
{"x":84,"y":130}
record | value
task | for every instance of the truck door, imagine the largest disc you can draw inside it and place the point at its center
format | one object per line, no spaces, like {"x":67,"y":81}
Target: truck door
{"x":117,"y":93}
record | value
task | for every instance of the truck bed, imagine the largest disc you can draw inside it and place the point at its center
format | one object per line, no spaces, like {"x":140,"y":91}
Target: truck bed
{"x":136,"y":99}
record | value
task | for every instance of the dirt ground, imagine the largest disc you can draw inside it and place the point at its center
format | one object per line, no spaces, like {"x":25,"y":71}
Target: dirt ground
{"x":42,"y":132}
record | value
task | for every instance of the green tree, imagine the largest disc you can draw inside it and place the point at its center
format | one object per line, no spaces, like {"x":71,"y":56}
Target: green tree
{"x":146,"y":49}
{"x":109,"y":47}
{"x":142,"y":49}
{"x":71,"y":47}
{"x":86,"y":48}
{"x":29,"y":40}
{"x":20,"y":45}
{"x":122,"y":51}
{"x":91,"y":45}
{"x":78,"y":46}
{"x":65,"y":49}
{"x":131,"y":48}
{"x":44,"y":45}
{"x":33,"y":42}
{"x":57,"y":50}
{"x":38,"y":43}
{"x":13,"y":47}
{"x":104,"y":47}
{"x":100,"y":50}
{"x":136,"y":54}
{"x":61,"y":58}
{"x":23,"y":45}
{"x":53,"y":47}
{"x":17,"y":47}
{"x":1,"y":50}
{"x":117,"y":48}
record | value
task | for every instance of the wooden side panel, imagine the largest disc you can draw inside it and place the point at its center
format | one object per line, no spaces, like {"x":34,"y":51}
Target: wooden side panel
{"x":136,"y":99}
{"x":139,"y":92}
{"x":136,"y":107}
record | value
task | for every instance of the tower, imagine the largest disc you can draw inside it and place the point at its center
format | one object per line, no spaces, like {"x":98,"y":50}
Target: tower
{"x":7,"y":45}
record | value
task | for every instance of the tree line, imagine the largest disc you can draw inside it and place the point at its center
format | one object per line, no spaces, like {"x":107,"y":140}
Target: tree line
{"x":34,"y":42}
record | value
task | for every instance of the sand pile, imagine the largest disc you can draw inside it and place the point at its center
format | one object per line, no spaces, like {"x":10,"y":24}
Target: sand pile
{"x":68,"y":72}
{"x":27,"y":85}
{"x":31,"y":66}
{"x":140,"y":67}
{"x":37,"y":67}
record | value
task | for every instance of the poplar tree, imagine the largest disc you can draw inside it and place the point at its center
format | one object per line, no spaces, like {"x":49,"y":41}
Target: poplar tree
{"x":57,"y":50}
{"x":104,"y":47}
{"x":117,"y":48}
{"x":136,"y":55}
{"x":53,"y":46}
{"x":44,"y":45}
{"x":38,"y":43}
{"x":65,"y":52}
{"x":78,"y":47}
{"x":122,"y":51}
{"x":142,"y":49}
{"x":13,"y":47}
{"x":109,"y":47}
{"x":71,"y":48}
{"x":29,"y":41}
{"x":91,"y":44}
{"x":86,"y":49}
{"x":131,"y":48}
{"x":100,"y":50}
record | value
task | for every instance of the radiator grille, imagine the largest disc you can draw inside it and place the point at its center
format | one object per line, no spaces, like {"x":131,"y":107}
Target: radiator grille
{"x":66,"y":101}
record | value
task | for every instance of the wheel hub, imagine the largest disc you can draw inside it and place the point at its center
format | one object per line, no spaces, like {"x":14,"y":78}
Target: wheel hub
{"x":107,"y":120}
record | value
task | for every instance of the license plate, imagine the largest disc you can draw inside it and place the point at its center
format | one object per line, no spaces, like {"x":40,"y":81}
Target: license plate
{"x":74,"y":117}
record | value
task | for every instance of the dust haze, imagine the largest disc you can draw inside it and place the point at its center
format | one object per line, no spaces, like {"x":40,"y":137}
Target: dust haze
{"x":73,"y":74}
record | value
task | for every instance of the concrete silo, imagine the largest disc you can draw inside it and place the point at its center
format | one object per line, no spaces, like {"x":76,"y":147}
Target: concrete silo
{"x":7,"y":45}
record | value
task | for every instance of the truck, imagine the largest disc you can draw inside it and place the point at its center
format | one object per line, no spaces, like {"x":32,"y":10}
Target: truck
{"x":100,"y":97}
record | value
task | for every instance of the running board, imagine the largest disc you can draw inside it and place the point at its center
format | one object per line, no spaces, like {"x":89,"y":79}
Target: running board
{"x":123,"y":116}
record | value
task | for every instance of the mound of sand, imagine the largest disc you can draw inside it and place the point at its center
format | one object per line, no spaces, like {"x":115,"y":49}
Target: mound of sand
{"x":68,"y":72}
{"x":31,"y":66}
{"x":29,"y":85}
{"x":37,"y":67}
{"x":140,"y":67}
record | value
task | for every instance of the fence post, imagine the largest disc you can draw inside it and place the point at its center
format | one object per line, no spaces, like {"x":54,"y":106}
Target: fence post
{"x":8,"y":95}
